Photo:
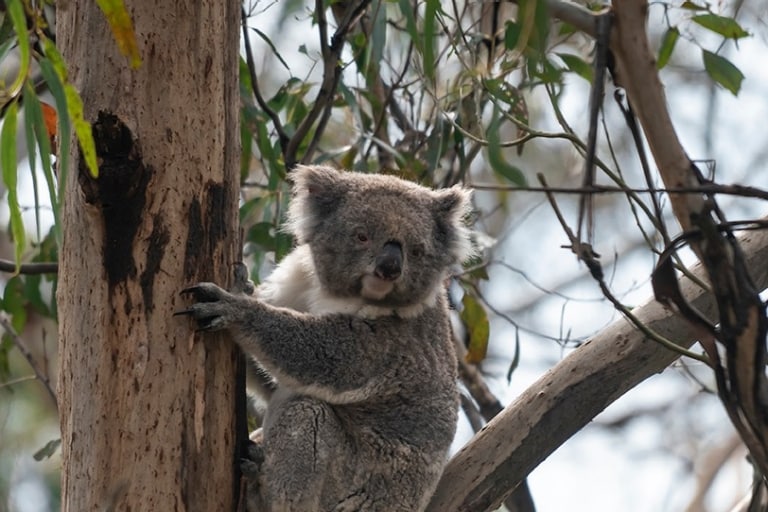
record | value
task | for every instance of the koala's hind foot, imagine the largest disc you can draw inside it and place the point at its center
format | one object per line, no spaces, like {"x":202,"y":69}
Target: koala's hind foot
{"x":252,"y":466}
{"x":252,"y":462}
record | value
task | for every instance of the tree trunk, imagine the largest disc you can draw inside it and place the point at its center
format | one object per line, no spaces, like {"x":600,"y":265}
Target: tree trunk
{"x":147,"y":409}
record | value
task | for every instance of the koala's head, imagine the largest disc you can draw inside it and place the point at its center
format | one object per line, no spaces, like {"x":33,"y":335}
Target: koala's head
{"x":376,"y":237}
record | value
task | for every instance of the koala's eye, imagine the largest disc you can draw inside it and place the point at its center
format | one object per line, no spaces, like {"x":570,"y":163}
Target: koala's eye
{"x":417,"y":251}
{"x":361,"y":237}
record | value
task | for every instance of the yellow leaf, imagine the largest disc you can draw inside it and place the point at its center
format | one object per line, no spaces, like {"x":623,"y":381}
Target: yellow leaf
{"x":19,"y":21}
{"x":82,"y":128}
{"x":122,"y":29}
{"x":476,"y":321}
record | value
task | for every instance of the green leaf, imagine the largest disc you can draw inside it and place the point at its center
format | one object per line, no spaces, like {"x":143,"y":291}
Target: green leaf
{"x":48,"y":450}
{"x":246,"y":151}
{"x":667,"y":45}
{"x":512,"y":35}
{"x":5,"y":48}
{"x":283,"y":244}
{"x":6,"y":344}
{"x":15,"y":303}
{"x":410,"y":24}
{"x":35,"y":131}
{"x":263,"y":235}
{"x":19,"y":19}
{"x":266,"y":39}
{"x":63,"y":132}
{"x":577,"y":65}
{"x":722,"y":71}
{"x":378,"y":39}
{"x":476,"y":321}
{"x":74,"y":108}
{"x":29,"y":132}
{"x":122,"y":29}
{"x":430,"y":31}
{"x":726,"y":27}
{"x":437,"y":143}
{"x":9,"y":172}
{"x":7,"y":32}
{"x":82,"y":128}
{"x":34,"y":296}
{"x":502,"y":91}
{"x":515,"y":360}
{"x":692,"y":6}
{"x":496,"y":159}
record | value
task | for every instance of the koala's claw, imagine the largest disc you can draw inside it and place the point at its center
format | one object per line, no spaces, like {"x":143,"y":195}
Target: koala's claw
{"x":207,"y":310}
{"x":204,"y":323}
{"x":204,"y":292}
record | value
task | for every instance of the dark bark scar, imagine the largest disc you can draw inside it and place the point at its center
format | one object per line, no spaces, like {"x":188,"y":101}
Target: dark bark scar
{"x":119,"y":191}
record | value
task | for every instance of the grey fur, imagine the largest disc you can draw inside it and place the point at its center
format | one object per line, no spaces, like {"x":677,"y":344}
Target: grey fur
{"x":354,"y":327}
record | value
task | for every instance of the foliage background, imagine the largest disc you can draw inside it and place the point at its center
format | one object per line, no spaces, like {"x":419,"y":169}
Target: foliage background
{"x":458,"y":114}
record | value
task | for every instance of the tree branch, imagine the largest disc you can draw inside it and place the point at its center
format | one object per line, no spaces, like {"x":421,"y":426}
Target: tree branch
{"x":321,"y":106}
{"x":282,"y":137}
{"x":574,"y":14}
{"x":22,"y":347}
{"x":742,"y":383}
{"x":569,"y":395}
{"x":34,"y":268}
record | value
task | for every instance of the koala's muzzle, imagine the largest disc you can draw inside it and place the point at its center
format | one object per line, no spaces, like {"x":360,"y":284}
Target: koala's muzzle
{"x":389,"y":262}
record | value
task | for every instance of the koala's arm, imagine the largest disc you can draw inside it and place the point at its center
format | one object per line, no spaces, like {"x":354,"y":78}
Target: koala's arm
{"x":336,"y":358}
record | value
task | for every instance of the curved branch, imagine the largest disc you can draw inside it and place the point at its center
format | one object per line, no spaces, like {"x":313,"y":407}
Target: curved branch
{"x":580,"y":17}
{"x":569,"y":395}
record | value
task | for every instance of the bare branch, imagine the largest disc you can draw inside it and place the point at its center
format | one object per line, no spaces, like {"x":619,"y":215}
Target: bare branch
{"x":574,"y":14}
{"x":281,"y":135}
{"x":19,"y":343}
{"x":742,"y":383}
{"x":35,"y":268}
{"x":321,"y":106}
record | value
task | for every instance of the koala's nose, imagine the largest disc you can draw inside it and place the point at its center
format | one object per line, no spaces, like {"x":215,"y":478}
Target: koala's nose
{"x":389,"y":262}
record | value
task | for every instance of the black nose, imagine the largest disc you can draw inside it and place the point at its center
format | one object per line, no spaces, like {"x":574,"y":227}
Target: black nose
{"x":389,"y":262}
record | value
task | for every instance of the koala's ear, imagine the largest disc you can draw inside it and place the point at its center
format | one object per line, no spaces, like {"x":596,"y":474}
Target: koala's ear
{"x":317,"y":192}
{"x":451,"y":208}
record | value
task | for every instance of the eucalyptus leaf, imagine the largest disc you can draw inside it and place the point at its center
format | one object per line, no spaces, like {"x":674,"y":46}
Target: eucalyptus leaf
{"x":722,"y":71}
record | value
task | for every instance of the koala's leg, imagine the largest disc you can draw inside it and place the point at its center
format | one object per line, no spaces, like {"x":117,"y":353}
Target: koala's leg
{"x":302,"y":439}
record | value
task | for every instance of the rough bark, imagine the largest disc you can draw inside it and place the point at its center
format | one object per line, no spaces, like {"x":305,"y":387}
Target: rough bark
{"x":147,"y":409}
{"x":569,"y":395}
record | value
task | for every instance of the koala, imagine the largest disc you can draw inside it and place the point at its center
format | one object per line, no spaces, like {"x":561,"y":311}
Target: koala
{"x":353,"y":325}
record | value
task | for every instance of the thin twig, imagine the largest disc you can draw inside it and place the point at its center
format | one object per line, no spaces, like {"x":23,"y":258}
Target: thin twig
{"x":278,"y":125}
{"x":585,"y":254}
{"x":707,"y":188}
{"x":21,"y":345}
{"x":323,"y":103}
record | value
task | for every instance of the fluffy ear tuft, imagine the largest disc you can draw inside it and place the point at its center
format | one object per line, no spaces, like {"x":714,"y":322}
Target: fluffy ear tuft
{"x":317,"y":192}
{"x":452,"y":206}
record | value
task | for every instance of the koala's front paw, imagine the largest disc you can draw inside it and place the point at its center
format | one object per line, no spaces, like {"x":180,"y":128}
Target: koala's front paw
{"x":211,"y":308}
